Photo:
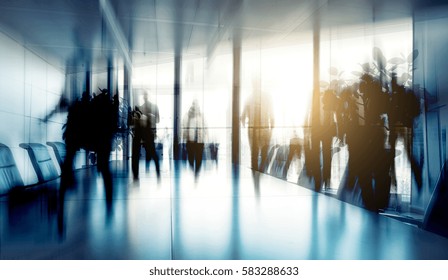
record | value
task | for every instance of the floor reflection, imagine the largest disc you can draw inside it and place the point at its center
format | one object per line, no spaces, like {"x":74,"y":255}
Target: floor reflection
{"x":225,"y":213}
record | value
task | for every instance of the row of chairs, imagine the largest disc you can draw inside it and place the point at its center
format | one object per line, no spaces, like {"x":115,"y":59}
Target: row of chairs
{"x":41,"y":160}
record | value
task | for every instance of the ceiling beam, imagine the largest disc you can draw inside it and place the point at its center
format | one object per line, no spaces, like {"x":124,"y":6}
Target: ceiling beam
{"x":231,"y":14}
{"x":116,"y":31}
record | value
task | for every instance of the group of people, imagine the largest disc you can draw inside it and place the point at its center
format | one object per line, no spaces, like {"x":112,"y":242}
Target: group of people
{"x":92,"y":122}
{"x":144,"y":120}
{"x":369,"y":116}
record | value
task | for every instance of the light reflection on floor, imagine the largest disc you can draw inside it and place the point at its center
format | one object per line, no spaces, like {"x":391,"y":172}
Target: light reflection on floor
{"x":224,"y":213}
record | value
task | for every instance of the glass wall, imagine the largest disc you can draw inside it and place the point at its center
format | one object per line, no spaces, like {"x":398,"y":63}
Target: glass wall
{"x":157,"y":81}
{"x":284,"y":75}
{"x":430,"y":70}
{"x":209,"y":84}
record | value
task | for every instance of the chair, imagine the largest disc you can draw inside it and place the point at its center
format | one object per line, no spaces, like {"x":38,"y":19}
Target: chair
{"x":9,"y":174}
{"x":41,"y":160}
{"x":59,"y":151}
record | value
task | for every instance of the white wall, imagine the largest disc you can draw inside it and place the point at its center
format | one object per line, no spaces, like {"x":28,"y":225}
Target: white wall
{"x":30,"y":88}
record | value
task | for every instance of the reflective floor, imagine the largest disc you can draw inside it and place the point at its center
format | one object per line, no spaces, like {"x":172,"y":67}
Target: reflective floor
{"x":223,"y":213}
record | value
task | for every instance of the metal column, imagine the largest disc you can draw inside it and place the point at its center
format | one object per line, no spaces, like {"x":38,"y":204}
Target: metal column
{"x":236,"y":99}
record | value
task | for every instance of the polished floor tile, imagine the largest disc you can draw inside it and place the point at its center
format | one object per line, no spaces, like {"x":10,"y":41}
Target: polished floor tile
{"x":224,"y":213}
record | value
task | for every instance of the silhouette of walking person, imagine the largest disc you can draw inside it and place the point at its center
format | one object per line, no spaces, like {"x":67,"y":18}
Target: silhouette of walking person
{"x":146,"y":118}
{"x":404,"y":107}
{"x":194,"y":136}
{"x":259,"y":116}
{"x":328,"y":131}
{"x":374,"y":174}
{"x":295,"y":150}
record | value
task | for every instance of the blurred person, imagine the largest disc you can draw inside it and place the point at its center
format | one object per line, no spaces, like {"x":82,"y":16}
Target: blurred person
{"x":62,"y":106}
{"x":91,"y":125}
{"x":295,"y":150}
{"x":194,"y":134}
{"x":259,"y":116}
{"x":352,"y":126}
{"x":328,"y":130}
{"x":374,"y":177}
{"x":404,"y":108}
{"x":145,"y":119}
{"x":319,"y":148}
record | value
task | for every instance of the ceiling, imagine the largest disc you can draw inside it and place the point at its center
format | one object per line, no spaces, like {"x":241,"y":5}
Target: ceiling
{"x":75,"y":34}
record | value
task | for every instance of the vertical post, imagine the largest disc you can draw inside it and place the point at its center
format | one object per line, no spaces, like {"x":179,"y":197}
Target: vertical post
{"x":178,"y":44}
{"x":88,"y":89}
{"x":88,"y":83}
{"x":127,"y":102}
{"x":110,"y":78}
{"x":315,"y":118}
{"x":316,"y":75}
{"x":177,"y":113}
{"x":72,"y":85}
{"x":236,"y":98}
